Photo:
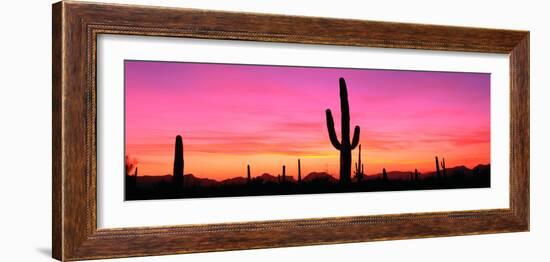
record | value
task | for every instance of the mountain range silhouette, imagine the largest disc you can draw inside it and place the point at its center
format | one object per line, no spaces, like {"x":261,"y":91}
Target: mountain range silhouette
{"x":192,"y":180}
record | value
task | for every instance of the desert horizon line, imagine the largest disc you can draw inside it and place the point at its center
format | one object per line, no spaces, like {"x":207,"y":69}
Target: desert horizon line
{"x":423,"y":173}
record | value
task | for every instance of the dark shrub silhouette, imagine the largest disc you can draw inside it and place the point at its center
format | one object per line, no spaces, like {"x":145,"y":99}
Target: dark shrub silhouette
{"x":177,"y":178}
{"x":129,"y":164}
{"x":345,"y":146}
{"x":130,"y":181}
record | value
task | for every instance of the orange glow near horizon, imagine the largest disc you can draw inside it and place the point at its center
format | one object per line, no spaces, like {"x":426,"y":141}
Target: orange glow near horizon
{"x":269,"y":116}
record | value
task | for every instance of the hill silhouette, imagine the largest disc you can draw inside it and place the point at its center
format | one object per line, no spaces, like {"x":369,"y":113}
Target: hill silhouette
{"x":234,"y":181}
{"x":320,"y":177}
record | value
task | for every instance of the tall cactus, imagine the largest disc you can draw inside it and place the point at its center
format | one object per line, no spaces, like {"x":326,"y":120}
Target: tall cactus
{"x":248,"y":178}
{"x":416,"y":174}
{"x":438,"y":172}
{"x":177,"y":178}
{"x":299,"y":172}
{"x":345,"y":145}
{"x":284,"y":174}
{"x":384,"y":174}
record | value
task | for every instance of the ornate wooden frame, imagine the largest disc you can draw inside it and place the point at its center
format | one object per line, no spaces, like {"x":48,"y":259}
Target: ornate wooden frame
{"x":76,"y":26}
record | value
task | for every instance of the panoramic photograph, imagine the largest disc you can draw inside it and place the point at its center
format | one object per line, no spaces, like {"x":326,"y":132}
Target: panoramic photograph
{"x":197,"y":130}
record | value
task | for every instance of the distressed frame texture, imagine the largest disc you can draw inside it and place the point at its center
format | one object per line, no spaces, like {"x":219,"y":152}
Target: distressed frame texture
{"x":75,"y":28}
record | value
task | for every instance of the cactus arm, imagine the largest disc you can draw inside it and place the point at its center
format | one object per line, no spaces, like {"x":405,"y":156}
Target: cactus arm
{"x":331,"y":132}
{"x":356,"y":133}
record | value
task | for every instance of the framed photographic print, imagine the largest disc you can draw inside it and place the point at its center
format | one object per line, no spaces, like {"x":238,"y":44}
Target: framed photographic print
{"x":182,"y":130}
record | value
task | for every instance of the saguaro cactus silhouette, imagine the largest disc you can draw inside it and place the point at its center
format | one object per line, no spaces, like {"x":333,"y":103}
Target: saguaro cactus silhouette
{"x":384,"y":174}
{"x":359,"y":167}
{"x":299,"y":172}
{"x":416,"y":174}
{"x":177,"y":178}
{"x":284,"y":174}
{"x":443,"y":167}
{"x":345,"y":146}
{"x":248,"y":178}
{"x":437,"y":171}
{"x":133,"y":179}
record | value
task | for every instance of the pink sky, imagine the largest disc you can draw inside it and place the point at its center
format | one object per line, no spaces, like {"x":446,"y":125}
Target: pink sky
{"x":268,"y":116}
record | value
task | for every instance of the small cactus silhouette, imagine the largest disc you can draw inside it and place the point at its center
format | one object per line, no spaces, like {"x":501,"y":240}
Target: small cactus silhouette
{"x":359,"y":168}
{"x":443,"y":168}
{"x":438,"y":172}
{"x":133,"y":179}
{"x":345,"y":146}
{"x":299,"y":172}
{"x":177,"y":178}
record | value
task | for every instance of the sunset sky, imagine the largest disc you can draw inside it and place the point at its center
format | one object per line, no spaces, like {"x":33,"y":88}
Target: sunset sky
{"x":268,"y":116}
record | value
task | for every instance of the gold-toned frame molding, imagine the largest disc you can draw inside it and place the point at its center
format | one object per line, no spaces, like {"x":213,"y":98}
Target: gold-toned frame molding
{"x":76,"y":26}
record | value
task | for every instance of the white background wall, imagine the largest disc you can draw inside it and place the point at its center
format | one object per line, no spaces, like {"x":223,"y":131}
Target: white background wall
{"x":25,"y":136}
